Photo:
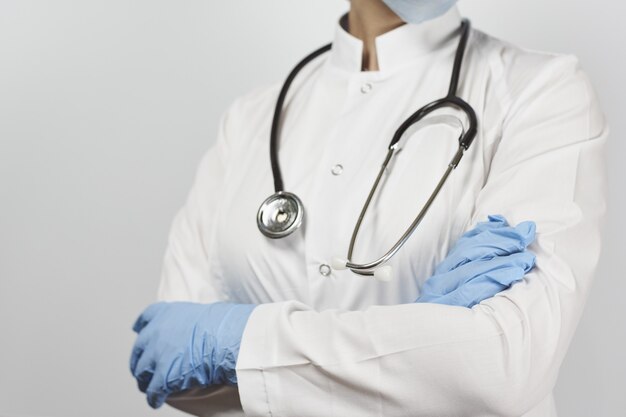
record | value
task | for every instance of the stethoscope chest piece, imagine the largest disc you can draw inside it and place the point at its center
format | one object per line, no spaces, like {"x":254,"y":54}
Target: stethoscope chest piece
{"x":280,"y":214}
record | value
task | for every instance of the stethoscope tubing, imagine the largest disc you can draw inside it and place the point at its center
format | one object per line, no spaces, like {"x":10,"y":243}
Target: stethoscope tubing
{"x":366,"y":268}
{"x":276,"y":172}
{"x":465,"y":140}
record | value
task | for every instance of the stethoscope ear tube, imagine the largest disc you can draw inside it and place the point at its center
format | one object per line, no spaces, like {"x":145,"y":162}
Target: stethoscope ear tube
{"x":370,"y":268}
{"x":465,"y":140}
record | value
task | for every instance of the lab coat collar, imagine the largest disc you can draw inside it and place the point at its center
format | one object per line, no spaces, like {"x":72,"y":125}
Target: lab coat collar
{"x":397,"y":47}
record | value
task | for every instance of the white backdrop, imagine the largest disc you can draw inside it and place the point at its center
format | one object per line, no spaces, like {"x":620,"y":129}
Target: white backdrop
{"x":106,"y":107}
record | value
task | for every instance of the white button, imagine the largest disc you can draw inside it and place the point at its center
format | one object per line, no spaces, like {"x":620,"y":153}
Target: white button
{"x":337,"y":169}
{"x":325,"y":270}
{"x":366,"y":88}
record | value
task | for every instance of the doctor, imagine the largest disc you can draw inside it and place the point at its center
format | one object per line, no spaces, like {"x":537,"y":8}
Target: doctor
{"x":267,"y":327}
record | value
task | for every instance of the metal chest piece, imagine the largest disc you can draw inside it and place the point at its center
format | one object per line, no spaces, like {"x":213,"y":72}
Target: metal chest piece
{"x":280,"y":214}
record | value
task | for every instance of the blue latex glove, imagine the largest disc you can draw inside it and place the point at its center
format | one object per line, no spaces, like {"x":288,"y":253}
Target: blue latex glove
{"x":485,"y":261}
{"x":182,"y":345}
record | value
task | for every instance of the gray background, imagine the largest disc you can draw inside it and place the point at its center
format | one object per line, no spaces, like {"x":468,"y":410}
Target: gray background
{"x":105,"y":110}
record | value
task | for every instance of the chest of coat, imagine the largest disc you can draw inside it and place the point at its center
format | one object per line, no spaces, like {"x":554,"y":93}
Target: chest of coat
{"x":332,"y":167}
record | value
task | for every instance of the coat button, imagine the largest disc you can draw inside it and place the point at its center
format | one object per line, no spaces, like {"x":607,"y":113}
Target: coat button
{"x":337,"y":169}
{"x":366,"y":88}
{"x":325,"y":270}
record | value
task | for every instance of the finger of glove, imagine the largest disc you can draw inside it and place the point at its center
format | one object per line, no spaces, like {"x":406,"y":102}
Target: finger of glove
{"x":144,"y":368}
{"x":496,"y":241}
{"x":484,"y":287}
{"x":157,"y":392}
{"x":143,"y":379}
{"x":493,"y":221}
{"x":158,"y":389}
{"x":442,"y":284}
{"x":141,"y":344}
{"x":143,"y":375}
{"x":135,"y":355}
{"x":481,"y":267}
{"x":147,"y":315}
{"x":502,"y":240}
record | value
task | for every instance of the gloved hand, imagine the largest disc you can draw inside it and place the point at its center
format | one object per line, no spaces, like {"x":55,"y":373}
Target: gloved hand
{"x":484,"y":261}
{"x":182,"y":345}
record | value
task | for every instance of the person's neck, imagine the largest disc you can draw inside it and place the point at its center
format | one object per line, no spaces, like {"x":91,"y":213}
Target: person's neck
{"x":366,"y":20}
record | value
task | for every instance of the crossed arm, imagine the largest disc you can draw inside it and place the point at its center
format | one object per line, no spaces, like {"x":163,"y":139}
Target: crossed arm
{"x":502,"y":356}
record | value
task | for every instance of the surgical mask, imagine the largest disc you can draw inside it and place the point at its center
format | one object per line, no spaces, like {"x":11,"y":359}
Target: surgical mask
{"x":417,"y":11}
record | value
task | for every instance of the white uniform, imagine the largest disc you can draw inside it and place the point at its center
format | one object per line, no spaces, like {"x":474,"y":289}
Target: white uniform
{"x":342,"y":345}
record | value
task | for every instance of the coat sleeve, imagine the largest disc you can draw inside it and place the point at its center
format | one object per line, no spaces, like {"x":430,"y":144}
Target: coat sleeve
{"x":185,"y":273}
{"x":500,"y":358}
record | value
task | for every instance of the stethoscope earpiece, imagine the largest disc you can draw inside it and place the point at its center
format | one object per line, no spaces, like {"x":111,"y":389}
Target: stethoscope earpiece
{"x":383,"y":273}
{"x":339,"y":264}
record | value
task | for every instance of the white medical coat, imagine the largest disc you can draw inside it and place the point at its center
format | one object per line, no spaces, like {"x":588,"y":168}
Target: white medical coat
{"x":342,"y":345}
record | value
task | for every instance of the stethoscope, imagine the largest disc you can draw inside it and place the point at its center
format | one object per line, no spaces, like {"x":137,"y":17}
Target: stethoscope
{"x":283,"y":212}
